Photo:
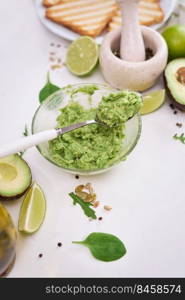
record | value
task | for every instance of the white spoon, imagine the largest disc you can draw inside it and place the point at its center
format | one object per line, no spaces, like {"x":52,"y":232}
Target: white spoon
{"x":41,"y":137}
{"x":44,"y":136}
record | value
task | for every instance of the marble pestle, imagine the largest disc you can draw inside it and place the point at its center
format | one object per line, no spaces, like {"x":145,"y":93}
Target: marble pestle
{"x":132,"y":46}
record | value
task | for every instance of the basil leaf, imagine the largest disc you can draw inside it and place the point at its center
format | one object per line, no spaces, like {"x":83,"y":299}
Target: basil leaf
{"x":104,"y":246}
{"x":88,"y":211}
{"x":47,"y":90}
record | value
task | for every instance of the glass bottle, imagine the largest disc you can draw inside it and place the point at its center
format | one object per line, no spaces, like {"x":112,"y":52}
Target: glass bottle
{"x":8,"y":237}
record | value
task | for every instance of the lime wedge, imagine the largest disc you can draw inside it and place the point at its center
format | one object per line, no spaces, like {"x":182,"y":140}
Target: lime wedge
{"x":33,"y":210}
{"x":82,"y":56}
{"x":152,"y":101}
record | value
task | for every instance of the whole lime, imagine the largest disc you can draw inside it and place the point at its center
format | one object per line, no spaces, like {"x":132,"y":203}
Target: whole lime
{"x":175,"y":39}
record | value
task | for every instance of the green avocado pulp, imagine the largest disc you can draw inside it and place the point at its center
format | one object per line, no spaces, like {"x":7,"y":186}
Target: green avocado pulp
{"x":88,"y":89}
{"x":91,"y":147}
{"x":7,"y":172}
{"x":118,"y":107}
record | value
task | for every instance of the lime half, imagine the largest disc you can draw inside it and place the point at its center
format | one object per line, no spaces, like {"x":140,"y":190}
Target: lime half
{"x":82,"y":56}
{"x":152,"y":101}
{"x":33,"y":210}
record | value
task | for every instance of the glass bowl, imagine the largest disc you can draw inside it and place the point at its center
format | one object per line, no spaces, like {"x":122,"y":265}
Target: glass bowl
{"x":47,"y":113}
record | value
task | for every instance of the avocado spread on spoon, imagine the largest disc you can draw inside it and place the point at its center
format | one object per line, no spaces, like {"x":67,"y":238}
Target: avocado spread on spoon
{"x":94,"y":146}
{"x":118,"y":107}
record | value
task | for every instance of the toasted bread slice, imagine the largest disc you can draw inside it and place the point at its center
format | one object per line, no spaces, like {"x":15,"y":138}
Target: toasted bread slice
{"x":87,"y":17}
{"x":150,"y":13}
{"x":49,"y":3}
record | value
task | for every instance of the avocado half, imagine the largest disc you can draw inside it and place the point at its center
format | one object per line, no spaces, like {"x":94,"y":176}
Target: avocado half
{"x":15,"y":177}
{"x":175,"y":82}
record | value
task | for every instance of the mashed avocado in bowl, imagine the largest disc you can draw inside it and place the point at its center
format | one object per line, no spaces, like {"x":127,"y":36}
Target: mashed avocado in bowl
{"x":94,"y":148}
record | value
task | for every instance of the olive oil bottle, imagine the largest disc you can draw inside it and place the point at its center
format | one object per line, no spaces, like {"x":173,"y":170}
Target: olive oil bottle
{"x":7,"y":242}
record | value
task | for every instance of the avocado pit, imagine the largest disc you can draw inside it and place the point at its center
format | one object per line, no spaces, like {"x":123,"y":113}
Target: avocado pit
{"x":181,"y":75}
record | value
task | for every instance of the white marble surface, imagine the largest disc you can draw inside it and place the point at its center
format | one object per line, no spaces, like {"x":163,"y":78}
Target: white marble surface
{"x":146,"y":192}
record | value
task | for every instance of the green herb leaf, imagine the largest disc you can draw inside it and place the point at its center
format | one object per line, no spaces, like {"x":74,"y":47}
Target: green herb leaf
{"x":104,"y":246}
{"x":181,"y":138}
{"x":25,"y":132}
{"x":88,"y":211}
{"x":47,"y":90}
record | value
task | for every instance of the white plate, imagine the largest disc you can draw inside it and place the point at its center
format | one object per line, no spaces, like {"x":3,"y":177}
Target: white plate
{"x":62,"y":31}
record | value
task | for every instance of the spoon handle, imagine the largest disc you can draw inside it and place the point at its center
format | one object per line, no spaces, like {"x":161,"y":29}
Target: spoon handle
{"x":27,"y":142}
{"x":38,"y":138}
{"x":132,"y":45}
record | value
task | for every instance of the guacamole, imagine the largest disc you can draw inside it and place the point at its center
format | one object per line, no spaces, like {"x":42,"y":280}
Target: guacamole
{"x":88,"y":89}
{"x":118,"y":107}
{"x":94,"y":146}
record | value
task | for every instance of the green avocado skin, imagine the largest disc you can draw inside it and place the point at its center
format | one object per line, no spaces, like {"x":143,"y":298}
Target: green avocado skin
{"x":175,"y":90}
{"x":172,"y":99}
{"x":16,"y":197}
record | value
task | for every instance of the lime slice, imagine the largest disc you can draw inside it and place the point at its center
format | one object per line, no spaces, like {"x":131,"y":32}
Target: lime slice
{"x":82,"y":56}
{"x":33,"y":210}
{"x":152,"y":101}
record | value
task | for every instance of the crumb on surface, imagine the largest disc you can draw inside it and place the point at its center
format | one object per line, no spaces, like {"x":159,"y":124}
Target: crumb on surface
{"x":107,"y":207}
{"x":54,"y":67}
{"x":96,"y":204}
{"x":52,"y":58}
